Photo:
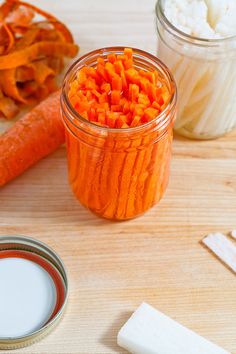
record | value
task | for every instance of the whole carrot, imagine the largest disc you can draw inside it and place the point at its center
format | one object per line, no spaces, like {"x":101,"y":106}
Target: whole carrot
{"x":33,"y":137}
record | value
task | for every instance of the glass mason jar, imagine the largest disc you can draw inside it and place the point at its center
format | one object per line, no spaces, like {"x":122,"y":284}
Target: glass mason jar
{"x":118,"y":173}
{"x":205,"y":73}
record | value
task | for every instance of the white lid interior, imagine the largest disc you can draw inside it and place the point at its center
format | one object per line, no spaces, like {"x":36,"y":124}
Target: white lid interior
{"x":27,"y":297}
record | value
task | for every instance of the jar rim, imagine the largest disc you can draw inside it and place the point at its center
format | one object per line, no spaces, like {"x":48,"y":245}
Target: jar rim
{"x":199,"y":41}
{"x":104,"y":51}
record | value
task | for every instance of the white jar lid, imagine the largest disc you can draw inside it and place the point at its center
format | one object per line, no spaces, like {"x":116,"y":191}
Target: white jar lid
{"x":34,"y":290}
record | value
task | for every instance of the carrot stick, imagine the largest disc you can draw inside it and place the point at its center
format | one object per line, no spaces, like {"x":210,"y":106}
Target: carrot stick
{"x":99,"y":194}
{"x":133,"y":188}
{"x":153,"y":178}
{"x":73,"y":161}
{"x":93,"y":199}
{"x":90,"y":189}
{"x":158,"y":167}
{"x":33,"y":137}
{"x":164,"y":178}
{"x":115,"y":170}
{"x":104,"y":174}
{"x":125,"y":178}
{"x":142,"y":179}
{"x":80,"y":183}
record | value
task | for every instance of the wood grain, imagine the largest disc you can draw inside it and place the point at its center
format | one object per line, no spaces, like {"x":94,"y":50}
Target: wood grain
{"x":156,"y":258}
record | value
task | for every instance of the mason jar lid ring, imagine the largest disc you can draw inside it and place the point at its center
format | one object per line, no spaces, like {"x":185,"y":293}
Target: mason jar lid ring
{"x":38,"y":276}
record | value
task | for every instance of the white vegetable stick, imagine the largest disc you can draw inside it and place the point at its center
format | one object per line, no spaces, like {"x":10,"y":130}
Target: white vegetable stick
{"x":168,"y":56}
{"x":214,"y":124}
{"x":233,"y":234}
{"x":187,"y":82}
{"x":204,"y":123}
{"x":222,"y":108}
{"x":171,"y":58}
{"x":177,"y":64}
{"x":228,"y":118}
{"x":229,"y":114}
{"x":232,"y":124}
{"x":149,"y":331}
{"x":182,"y":67}
{"x":186,"y":88}
{"x":186,"y":132}
{"x":223,"y":248}
{"x":201,"y":91}
{"x":188,"y":116}
{"x":186,"y":91}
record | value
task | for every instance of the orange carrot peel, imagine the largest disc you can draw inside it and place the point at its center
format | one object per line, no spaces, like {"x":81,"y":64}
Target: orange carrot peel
{"x":24,"y":43}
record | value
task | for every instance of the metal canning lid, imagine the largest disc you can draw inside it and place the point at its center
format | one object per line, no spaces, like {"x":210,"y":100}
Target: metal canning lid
{"x":33,"y":291}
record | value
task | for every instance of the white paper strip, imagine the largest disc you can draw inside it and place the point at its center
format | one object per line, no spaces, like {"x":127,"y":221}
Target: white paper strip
{"x":149,"y":331}
{"x":223,"y":248}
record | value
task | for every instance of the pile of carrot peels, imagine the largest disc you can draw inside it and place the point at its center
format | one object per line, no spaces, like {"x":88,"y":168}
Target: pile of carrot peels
{"x":116,"y":94}
{"x":33,"y":45}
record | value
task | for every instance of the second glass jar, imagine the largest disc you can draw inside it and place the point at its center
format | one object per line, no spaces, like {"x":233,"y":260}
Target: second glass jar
{"x":205,"y":73}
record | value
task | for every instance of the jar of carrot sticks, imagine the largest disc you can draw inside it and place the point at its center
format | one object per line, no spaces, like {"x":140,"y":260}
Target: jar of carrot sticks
{"x":118,"y":106}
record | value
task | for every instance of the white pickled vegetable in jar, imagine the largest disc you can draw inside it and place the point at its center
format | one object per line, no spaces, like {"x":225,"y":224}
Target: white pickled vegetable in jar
{"x":197,"y":40}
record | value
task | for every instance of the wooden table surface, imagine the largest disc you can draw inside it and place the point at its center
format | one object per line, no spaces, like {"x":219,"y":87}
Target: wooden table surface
{"x":156,"y":258}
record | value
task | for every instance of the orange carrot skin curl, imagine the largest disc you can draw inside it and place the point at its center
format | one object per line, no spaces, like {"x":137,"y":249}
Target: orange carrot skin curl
{"x":118,"y":150}
{"x":33,"y":45}
{"x":31,"y":138}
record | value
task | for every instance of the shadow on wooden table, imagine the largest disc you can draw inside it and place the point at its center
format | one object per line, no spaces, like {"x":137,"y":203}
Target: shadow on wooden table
{"x":179,"y":137}
{"x":109,"y":338}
